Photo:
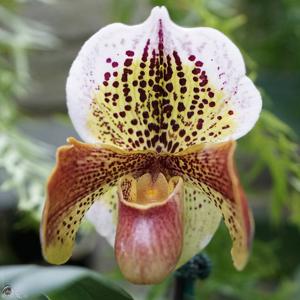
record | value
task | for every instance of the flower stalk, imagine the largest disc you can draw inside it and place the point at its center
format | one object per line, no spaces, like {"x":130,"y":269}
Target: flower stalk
{"x":199,"y":267}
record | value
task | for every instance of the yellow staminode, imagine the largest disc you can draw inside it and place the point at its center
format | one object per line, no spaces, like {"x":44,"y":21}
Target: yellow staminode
{"x":151,"y":189}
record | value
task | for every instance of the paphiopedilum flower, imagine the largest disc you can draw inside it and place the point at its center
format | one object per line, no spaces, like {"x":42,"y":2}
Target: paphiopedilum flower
{"x":159,"y":107}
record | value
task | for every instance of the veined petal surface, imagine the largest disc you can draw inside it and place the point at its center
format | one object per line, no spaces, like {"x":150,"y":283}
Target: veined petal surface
{"x":149,"y":236}
{"x":201,"y":219}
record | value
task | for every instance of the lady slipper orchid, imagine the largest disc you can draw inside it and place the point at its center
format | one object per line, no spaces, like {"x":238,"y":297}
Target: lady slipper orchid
{"x":159,"y":107}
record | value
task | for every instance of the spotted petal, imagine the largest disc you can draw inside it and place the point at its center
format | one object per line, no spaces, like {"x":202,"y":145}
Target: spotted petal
{"x":201,"y":220}
{"x":160,"y":86}
{"x":211,"y":169}
{"x":82,"y":175}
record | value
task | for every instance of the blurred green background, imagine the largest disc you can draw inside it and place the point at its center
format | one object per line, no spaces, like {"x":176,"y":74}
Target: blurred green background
{"x":38,"y":42}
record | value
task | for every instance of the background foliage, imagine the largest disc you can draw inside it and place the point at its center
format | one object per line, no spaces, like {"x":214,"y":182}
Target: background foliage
{"x":268,"y":33}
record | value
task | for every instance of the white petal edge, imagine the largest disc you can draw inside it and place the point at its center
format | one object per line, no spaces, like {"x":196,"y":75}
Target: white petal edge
{"x":223,"y":63}
{"x":249,"y":101}
{"x":87,"y":69}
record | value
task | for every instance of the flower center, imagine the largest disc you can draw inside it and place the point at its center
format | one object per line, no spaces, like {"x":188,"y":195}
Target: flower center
{"x":150,"y":189}
{"x":147,"y":189}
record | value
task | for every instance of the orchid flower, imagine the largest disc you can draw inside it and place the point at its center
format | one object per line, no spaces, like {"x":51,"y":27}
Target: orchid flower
{"x":159,"y":107}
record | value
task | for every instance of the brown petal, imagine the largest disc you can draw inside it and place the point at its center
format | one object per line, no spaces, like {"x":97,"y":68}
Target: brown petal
{"x":83,"y":173}
{"x":211,"y":169}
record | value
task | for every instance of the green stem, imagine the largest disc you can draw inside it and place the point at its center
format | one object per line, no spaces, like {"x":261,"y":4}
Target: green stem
{"x":198,"y":267}
{"x":184,"y":289}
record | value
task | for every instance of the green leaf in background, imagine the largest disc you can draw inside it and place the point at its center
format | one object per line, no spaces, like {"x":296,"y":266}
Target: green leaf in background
{"x":57,"y":283}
